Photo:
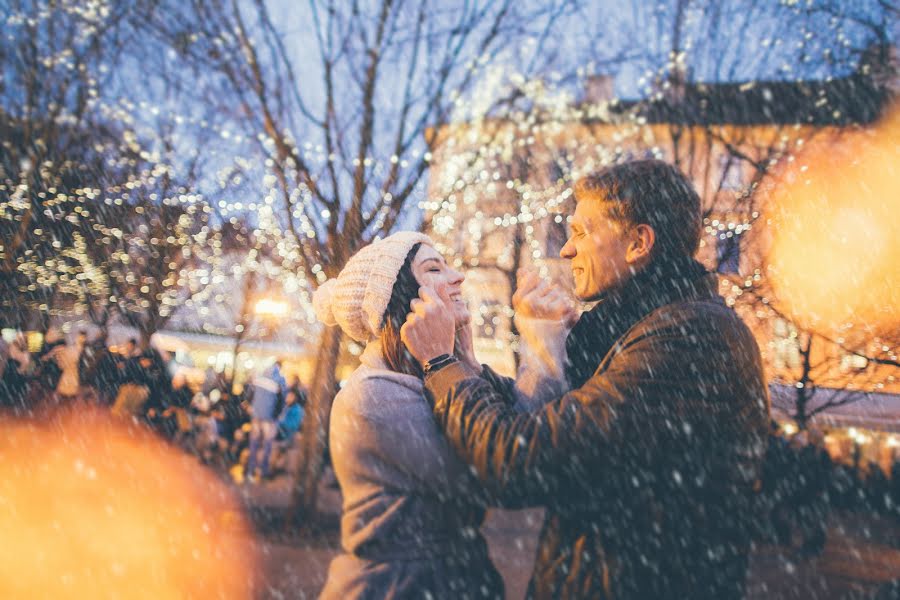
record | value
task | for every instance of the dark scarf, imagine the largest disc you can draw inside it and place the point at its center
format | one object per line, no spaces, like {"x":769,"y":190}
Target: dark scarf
{"x":661,"y":282}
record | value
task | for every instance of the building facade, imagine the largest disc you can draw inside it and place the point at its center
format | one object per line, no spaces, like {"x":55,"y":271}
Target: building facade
{"x":500,"y":195}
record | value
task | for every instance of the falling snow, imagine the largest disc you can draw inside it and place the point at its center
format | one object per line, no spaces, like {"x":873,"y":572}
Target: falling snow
{"x":178,"y":179}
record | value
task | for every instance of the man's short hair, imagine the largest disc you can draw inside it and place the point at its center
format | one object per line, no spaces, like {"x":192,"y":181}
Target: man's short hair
{"x":651,"y":192}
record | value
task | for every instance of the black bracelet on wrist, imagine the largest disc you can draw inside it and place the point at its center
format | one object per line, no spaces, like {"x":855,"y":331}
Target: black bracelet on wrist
{"x":438,"y":362}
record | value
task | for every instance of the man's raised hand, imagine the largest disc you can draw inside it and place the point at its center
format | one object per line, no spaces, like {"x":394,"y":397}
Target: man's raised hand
{"x":536,"y":298}
{"x":430,"y":328}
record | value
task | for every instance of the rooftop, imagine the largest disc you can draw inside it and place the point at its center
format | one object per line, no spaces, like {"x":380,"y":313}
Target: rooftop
{"x":858,"y":98}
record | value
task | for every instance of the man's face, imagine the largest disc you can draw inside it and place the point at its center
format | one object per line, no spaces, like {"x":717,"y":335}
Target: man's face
{"x":597,"y":250}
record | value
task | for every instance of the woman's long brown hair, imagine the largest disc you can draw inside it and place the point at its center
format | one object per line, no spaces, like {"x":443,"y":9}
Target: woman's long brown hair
{"x":406,"y":288}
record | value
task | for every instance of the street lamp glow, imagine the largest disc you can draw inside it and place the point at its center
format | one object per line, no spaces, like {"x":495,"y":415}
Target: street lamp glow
{"x":835,"y":234}
{"x":271,"y":308}
{"x":75,"y":502}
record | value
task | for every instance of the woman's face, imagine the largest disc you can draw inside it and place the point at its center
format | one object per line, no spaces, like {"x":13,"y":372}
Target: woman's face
{"x":430,"y":268}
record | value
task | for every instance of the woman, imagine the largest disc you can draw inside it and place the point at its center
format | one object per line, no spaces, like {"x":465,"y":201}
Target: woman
{"x":411,"y":509}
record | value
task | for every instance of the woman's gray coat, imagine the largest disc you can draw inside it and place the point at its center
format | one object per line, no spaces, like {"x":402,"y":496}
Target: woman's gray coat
{"x":411,"y":508}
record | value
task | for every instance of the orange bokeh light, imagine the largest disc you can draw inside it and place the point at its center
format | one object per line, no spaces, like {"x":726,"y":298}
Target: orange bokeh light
{"x":91,"y":507}
{"x":834,"y":259}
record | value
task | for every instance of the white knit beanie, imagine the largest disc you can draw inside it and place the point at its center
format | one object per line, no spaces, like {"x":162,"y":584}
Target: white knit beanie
{"x":358,"y":298}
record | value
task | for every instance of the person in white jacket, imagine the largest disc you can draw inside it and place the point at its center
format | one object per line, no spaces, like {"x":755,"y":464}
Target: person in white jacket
{"x":68,"y":357}
{"x":411,"y":509}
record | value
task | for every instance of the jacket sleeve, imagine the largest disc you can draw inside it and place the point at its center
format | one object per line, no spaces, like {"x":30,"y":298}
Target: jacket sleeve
{"x":541,"y":374}
{"x":577,"y":438}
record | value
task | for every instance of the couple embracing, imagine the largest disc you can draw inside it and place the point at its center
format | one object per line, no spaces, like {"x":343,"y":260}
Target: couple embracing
{"x":640,"y":426}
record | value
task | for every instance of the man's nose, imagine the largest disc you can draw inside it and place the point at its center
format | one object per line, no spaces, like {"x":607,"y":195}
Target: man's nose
{"x":568,"y":250}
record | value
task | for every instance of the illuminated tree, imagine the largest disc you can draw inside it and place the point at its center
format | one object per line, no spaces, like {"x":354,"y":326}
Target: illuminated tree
{"x":56,"y":143}
{"x":344,"y":158}
{"x":81,"y":181}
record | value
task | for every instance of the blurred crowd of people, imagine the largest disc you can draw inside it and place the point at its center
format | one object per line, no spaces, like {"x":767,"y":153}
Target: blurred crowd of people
{"x":248,"y":433}
{"x":802,"y":484}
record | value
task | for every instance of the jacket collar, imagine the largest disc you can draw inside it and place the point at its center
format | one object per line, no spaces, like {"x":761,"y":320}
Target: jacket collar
{"x":660,"y":283}
{"x":372,"y":364}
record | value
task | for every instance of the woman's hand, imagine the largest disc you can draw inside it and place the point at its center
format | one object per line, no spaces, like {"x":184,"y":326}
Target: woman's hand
{"x":428,"y":330}
{"x":463,"y":347}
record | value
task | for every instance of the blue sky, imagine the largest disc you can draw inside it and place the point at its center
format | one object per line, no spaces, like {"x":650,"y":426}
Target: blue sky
{"x":729,"y":40}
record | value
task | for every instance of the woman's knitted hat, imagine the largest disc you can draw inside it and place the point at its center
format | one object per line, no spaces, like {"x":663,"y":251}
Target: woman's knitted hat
{"x":358,"y":298}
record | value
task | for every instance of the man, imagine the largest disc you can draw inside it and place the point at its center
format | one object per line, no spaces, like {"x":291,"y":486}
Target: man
{"x":647,"y":466}
{"x":14,"y":379}
{"x":268,"y":393}
{"x":299,"y":390}
{"x":4,"y":355}
{"x":123,"y":359}
{"x":130,"y":350}
{"x":101,"y":371}
{"x":143,"y":383}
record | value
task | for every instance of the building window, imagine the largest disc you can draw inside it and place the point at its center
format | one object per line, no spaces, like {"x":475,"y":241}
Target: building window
{"x":732,"y":173}
{"x":853,"y":362}
{"x":557,"y":234}
{"x":785,"y":345}
{"x":728,"y":253}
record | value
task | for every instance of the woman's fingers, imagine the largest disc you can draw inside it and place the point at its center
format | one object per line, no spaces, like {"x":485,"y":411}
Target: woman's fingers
{"x":429,"y":328}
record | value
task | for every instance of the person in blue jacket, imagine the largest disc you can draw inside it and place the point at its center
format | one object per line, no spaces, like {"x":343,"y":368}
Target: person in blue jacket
{"x":291,"y":416}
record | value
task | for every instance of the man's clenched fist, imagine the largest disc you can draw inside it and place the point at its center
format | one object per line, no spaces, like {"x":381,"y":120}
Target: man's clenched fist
{"x":536,"y":298}
{"x":429,"y":328}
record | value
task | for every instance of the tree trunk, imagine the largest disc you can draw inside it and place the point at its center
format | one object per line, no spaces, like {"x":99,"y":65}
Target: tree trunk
{"x":235,"y":350}
{"x":244,"y":321}
{"x":315,"y":427}
{"x":145,"y":334}
{"x":513,"y":277}
{"x":803,"y":393}
{"x":800,"y":417}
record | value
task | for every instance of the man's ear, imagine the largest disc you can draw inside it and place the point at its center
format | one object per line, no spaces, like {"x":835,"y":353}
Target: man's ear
{"x":641,"y":244}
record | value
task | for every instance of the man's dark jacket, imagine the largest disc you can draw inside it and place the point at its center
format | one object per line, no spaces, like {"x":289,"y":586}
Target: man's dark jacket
{"x":647,"y":469}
